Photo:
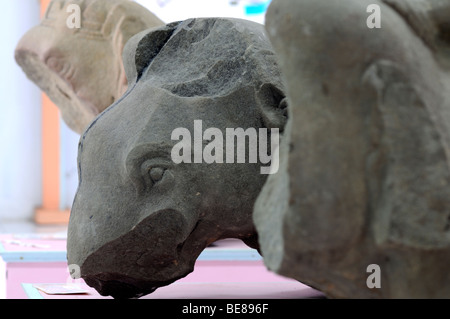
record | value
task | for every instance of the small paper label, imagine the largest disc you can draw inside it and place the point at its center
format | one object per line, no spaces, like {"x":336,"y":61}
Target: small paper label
{"x":61,"y":289}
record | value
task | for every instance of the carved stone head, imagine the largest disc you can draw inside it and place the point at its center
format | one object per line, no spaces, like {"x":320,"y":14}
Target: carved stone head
{"x":360,"y":207}
{"x":81,"y":69}
{"x":140,"y":220}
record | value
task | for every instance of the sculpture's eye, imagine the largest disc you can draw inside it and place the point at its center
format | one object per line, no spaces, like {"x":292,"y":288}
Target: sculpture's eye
{"x":150,"y":166}
{"x":157,"y":174}
{"x":153,"y":172}
{"x":61,"y":67}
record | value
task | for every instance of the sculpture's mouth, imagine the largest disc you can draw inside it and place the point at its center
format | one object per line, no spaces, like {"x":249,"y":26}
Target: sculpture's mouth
{"x":123,"y":288}
{"x":146,"y":258}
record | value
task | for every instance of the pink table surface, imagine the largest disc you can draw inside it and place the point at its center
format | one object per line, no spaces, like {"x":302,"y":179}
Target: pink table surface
{"x":227,"y":269}
{"x":25,"y":258}
{"x":214,"y":280}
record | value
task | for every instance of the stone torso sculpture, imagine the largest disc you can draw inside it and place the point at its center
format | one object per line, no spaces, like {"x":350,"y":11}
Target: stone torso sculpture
{"x":81,"y":69}
{"x":139,"y":220}
{"x":364,"y":180}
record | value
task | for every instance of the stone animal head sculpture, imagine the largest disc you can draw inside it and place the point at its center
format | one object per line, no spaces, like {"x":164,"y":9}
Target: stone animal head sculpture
{"x":81,"y":69}
{"x":360,"y":207}
{"x":140,"y":220}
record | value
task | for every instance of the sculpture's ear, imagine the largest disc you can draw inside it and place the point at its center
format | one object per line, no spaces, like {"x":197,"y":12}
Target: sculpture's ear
{"x":272,"y":103}
{"x":142,"y":48}
{"x":122,"y":33}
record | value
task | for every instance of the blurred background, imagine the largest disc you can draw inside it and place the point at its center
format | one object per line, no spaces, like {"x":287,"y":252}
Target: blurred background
{"x":24,"y":185}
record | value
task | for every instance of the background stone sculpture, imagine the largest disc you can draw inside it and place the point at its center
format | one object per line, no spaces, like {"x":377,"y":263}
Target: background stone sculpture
{"x":365,"y":171}
{"x":139,"y":221}
{"x":81,"y":69}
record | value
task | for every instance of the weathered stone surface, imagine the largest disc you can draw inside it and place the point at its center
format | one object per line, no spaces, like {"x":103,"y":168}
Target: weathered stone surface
{"x":365,"y":166}
{"x":139,"y":221}
{"x":81,"y":69}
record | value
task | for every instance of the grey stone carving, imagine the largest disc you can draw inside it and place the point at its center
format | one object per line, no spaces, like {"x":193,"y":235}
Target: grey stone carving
{"x":364,"y":174}
{"x":139,"y":221}
{"x":81,"y":69}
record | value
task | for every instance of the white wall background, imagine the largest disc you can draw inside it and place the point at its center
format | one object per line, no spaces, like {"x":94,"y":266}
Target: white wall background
{"x":176,"y":10}
{"x":20,"y":117}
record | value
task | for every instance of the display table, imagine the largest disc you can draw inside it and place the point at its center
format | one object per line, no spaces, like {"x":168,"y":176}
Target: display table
{"x":226,"y":269}
{"x":212,"y":280}
{"x":27,"y":259}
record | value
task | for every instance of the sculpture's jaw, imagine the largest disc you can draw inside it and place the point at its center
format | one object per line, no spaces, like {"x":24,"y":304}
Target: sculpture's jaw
{"x":149,"y":256}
